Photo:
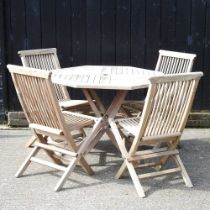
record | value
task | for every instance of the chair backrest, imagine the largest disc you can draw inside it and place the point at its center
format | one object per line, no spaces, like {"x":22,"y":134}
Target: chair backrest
{"x":44,"y":59}
{"x":167,"y":106}
{"x":38,"y":100}
{"x":36,"y":96}
{"x":170,"y":62}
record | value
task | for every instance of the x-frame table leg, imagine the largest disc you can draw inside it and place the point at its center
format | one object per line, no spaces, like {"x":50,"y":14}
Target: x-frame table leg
{"x":100,"y":110}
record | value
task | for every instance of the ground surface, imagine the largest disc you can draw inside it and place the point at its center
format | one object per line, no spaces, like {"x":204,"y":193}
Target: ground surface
{"x":101,"y":191}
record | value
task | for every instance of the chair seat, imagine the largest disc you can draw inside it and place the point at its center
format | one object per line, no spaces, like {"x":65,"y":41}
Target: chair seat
{"x":130,"y":124}
{"x":134,"y":105}
{"x":77,"y":120}
{"x":65,"y":104}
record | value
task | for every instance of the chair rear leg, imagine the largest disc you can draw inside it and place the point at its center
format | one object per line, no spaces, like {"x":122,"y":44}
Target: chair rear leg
{"x":82,"y":131}
{"x":135,"y":179}
{"x":184,"y":173}
{"x":121,"y":171}
{"x":164,"y":159}
{"x":26,"y":163}
{"x":31,"y":141}
{"x":88,"y":144}
{"x":85,"y":166}
{"x":51,"y":154}
{"x":68,"y":170}
{"x":112,"y":138}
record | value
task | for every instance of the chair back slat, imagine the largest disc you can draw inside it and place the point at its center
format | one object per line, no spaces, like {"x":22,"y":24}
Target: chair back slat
{"x":45,"y":59}
{"x":170,"y":102}
{"x":167,"y":105}
{"x":170,"y":62}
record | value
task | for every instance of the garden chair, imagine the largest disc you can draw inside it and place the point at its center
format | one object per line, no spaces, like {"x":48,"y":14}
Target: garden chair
{"x":169,"y":62}
{"x":47,"y":59}
{"x":38,"y":99}
{"x":167,"y":106}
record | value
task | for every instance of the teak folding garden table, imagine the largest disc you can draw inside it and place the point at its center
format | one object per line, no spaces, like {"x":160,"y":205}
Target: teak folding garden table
{"x":91,"y":78}
{"x":122,"y":79}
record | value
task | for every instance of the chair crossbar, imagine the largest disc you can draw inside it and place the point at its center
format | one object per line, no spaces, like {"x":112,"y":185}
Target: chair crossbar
{"x":143,"y":165}
{"x":37,"y":51}
{"x":46,"y":129}
{"x":149,"y":151}
{"x":152,"y":155}
{"x":47,"y":163}
{"x":28,"y":71}
{"x":56,"y":149}
{"x":177,"y":54}
{"x":161,"y":137}
{"x":131,"y":124}
{"x":159,"y":173}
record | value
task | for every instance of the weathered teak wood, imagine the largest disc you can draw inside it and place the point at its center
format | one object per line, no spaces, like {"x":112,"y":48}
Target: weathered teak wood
{"x":169,"y":62}
{"x":47,"y":59}
{"x":40,"y":105}
{"x":167,"y":106}
{"x":104,"y":77}
{"x":178,"y":89}
{"x":91,"y":78}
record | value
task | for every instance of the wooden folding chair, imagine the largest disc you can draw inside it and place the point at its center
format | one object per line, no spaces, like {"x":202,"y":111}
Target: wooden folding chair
{"x":167,"y":106}
{"x":38,"y":99}
{"x":169,"y":62}
{"x":47,"y":59}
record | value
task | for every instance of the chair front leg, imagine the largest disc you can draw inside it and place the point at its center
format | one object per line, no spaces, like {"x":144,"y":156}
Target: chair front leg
{"x":51,"y":154}
{"x":31,"y":141}
{"x":85,"y":166}
{"x":184,"y":173}
{"x":135,"y":179}
{"x":68,"y":170}
{"x":164,"y":159}
{"x":26,"y":163}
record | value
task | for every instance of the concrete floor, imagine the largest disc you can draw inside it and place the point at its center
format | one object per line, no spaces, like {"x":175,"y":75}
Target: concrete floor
{"x":101,"y":191}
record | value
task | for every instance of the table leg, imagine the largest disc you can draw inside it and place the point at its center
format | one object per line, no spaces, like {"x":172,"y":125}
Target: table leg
{"x":93,"y":138}
{"x":91,"y":95}
{"x":106,"y":123}
{"x":98,"y":101}
{"x":90,"y":100}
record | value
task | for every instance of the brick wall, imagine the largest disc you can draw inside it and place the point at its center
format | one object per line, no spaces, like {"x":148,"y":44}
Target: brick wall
{"x":2,"y":113}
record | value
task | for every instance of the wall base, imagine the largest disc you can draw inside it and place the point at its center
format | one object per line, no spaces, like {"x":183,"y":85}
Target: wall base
{"x":197,"y":119}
